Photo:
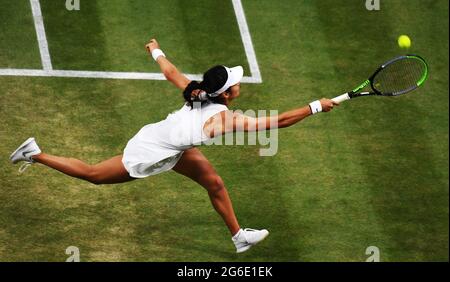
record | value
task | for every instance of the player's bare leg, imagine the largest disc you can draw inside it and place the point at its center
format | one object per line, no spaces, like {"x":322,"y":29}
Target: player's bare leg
{"x":107,"y":172}
{"x":194,"y":165}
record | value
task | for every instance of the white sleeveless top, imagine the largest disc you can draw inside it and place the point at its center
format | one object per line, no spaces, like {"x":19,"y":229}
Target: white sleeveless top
{"x":157,"y":147}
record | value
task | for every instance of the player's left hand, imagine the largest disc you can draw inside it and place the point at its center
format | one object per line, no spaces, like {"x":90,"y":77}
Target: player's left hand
{"x":327,"y":104}
{"x":152,"y":45}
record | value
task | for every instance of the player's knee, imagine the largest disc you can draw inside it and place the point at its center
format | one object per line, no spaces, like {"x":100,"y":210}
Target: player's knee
{"x":214,"y":184}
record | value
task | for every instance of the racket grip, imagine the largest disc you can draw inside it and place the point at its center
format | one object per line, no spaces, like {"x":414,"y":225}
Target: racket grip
{"x":341,"y":98}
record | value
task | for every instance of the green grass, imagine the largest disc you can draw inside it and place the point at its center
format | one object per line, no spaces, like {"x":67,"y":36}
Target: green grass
{"x":18,"y":43}
{"x":118,"y":31}
{"x":373,"y":172}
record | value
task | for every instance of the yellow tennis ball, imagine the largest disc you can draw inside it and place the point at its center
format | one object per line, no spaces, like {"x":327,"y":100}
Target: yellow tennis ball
{"x":404,"y":41}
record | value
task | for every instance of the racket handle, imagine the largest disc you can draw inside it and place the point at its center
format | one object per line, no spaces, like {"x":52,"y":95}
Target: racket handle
{"x":341,"y":98}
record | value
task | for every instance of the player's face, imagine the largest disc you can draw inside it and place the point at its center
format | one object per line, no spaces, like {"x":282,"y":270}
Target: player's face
{"x":235,"y":91}
{"x":231,"y":93}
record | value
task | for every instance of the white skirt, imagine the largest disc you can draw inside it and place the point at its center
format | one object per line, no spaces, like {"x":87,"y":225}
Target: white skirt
{"x":142,"y":158}
{"x":157,"y":147}
{"x":142,"y":170}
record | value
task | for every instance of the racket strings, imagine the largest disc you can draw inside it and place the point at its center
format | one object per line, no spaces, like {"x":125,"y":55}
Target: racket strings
{"x":400,"y":76}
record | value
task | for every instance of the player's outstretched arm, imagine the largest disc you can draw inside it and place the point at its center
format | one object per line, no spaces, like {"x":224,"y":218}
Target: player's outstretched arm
{"x":171,"y":73}
{"x":289,"y":118}
{"x":229,"y":121}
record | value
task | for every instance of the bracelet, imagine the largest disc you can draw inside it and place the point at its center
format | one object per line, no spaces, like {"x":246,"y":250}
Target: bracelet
{"x":156,"y":53}
{"x":316,"y":107}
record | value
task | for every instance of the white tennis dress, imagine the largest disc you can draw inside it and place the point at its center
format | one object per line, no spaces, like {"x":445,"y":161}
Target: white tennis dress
{"x":157,"y":147}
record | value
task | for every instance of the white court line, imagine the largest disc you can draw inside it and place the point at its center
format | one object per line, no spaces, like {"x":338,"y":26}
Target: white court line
{"x":100,"y":74}
{"x":49,"y":72}
{"x":247,"y":40}
{"x":40,"y":32}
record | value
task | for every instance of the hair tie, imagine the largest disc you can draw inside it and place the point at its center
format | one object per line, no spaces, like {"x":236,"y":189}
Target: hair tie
{"x":203,"y":96}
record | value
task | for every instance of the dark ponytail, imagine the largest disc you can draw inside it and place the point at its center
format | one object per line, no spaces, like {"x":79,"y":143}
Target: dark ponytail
{"x":189,"y":98}
{"x":187,"y":93}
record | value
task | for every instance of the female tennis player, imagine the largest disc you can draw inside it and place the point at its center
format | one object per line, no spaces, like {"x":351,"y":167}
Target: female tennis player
{"x":171,"y":143}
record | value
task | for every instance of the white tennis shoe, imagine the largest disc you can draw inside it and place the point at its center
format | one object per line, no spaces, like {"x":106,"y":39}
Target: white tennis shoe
{"x":25,"y":152}
{"x":247,"y":237}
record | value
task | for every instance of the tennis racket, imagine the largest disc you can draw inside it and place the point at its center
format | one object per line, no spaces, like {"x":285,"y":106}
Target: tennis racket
{"x":396,"y":77}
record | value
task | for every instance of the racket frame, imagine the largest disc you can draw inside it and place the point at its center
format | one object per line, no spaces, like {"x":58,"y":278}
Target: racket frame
{"x":355,"y":92}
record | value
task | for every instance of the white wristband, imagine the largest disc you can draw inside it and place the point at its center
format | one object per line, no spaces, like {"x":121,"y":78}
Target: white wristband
{"x":316,"y":107}
{"x":156,"y":53}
